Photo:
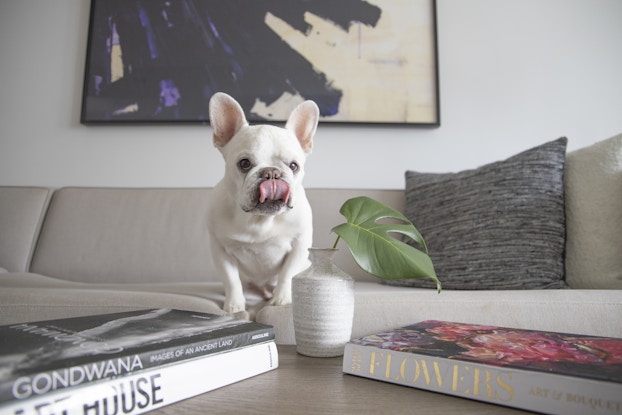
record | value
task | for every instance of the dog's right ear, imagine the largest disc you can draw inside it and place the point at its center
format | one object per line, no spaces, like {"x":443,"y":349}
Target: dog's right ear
{"x":303,"y":123}
{"x":226,"y":117}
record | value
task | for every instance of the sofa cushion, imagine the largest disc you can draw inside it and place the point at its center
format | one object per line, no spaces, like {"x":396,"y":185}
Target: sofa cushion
{"x":22,"y":210}
{"x":500,"y":226}
{"x":594,"y":215}
{"x":378,"y":307}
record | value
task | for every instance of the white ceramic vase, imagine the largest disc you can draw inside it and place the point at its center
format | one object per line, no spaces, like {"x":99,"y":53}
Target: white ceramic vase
{"x":323,"y":306}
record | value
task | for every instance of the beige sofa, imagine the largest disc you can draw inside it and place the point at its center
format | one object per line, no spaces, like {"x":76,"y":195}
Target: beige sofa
{"x":77,"y":251}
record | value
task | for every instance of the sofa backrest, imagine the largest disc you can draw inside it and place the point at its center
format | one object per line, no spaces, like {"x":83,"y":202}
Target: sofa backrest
{"x":123,"y":235}
{"x":129,"y":235}
{"x":594,"y":215}
{"x":22,"y":210}
{"x":160,"y":235}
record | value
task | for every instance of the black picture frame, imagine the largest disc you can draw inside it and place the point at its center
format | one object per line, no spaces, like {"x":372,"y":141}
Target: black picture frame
{"x":361,"y":61}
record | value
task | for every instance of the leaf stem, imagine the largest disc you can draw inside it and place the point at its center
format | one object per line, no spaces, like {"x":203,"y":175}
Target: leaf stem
{"x":336,"y":242}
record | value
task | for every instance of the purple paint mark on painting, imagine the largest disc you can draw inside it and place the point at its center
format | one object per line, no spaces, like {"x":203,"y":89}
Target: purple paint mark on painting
{"x":223,"y":44}
{"x":115,"y":35}
{"x":146,"y":23}
{"x":169,"y":99}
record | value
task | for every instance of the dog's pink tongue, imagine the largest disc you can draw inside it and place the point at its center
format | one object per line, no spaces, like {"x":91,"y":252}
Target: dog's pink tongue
{"x":273,"y":189}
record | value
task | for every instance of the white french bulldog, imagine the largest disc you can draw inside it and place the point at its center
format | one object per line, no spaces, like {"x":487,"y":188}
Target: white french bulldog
{"x":259,"y":220}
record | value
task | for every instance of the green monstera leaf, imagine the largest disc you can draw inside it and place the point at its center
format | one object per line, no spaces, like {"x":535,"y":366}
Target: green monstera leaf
{"x":369,"y":234}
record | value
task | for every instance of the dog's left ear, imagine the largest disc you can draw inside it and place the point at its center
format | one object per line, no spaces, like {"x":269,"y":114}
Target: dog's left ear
{"x":226,"y":117}
{"x":303,"y":123}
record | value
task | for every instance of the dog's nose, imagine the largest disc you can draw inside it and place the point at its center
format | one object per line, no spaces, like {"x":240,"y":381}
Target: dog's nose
{"x":271,"y":174}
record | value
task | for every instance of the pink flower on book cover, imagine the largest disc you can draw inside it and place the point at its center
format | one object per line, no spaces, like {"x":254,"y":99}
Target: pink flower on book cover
{"x":507,"y":346}
{"x":515,"y":347}
{"x":609,"y":350}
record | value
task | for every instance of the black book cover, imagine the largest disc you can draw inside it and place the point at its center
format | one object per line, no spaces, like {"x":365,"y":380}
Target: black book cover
{"x":40,"y":357}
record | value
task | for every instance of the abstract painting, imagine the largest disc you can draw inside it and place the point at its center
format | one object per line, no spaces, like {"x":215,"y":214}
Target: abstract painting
{"x":361,"y":61}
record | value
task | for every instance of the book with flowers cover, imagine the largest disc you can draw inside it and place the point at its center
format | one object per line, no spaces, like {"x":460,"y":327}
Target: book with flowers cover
{"x":553,"y":373}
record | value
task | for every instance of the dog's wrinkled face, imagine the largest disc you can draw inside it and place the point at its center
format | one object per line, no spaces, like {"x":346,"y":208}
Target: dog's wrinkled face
{"x":264,"y":163}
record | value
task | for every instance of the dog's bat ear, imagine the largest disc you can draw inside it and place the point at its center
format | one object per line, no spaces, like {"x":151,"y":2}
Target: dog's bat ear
{"x":226,"y":117}
{"x":303,"y":123}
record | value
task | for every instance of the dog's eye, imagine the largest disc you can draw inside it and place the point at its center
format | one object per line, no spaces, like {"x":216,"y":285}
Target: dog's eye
{"x":294,"y":166}
{"x":245,"y":164}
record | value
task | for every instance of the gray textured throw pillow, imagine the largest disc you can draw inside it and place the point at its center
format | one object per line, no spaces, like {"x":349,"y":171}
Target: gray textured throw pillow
{"x":500,"y":226}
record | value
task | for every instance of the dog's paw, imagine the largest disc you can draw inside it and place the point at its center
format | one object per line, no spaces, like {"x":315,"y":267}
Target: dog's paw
{"x":281,"y":298}
{"x":242,"y":315}
{"x":238,"y":312}
{"x":234,"y":308}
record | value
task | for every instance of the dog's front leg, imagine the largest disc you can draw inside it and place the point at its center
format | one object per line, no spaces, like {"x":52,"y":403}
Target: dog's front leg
{"x":227,"y":267}
{"x":296,"y":261}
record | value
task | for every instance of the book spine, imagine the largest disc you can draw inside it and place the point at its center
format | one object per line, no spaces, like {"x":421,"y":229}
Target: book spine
{"x":205,"y":347}
{"x":153,"y":388}
{"x":118,"y":365}
{"x":536,"y":391}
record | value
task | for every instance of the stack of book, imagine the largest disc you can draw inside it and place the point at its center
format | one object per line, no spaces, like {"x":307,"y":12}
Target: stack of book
{"x":126,"y":363}
{"x":553,"y":373}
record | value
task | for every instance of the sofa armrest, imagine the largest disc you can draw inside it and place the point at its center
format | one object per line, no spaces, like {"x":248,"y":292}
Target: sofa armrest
{"x":22,"y":210}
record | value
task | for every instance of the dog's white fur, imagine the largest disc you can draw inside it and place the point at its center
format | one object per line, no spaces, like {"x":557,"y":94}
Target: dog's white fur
{"x":260,"y":234}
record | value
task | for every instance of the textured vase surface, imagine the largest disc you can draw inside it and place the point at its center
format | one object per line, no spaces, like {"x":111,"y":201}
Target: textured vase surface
{"x":323,"y":305}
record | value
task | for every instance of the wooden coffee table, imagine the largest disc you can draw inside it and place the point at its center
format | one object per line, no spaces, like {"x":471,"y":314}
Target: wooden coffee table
{"x":305,"y":385}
